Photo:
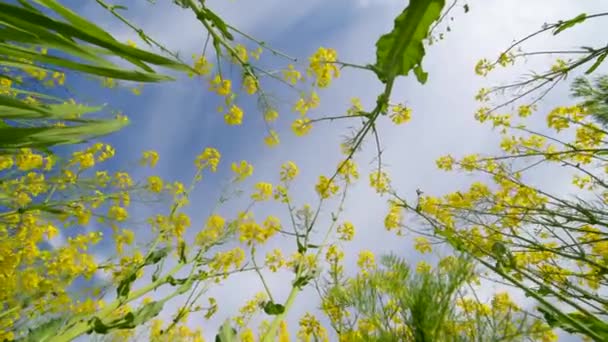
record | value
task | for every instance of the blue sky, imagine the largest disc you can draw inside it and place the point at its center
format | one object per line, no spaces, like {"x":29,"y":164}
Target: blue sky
{"x":179,"y":119}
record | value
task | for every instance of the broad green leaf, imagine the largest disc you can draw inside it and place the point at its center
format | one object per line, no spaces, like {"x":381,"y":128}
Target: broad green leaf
{"x":402,"y":50}
{"x":273,"y":309}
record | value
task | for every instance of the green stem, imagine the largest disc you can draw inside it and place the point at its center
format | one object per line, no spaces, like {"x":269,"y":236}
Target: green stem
{"x":269,"y":336}
{"x":82,"y":326}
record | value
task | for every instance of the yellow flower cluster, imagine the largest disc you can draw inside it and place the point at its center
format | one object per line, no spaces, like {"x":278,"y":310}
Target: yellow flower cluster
{"x":311,"y":328}
{"x":289,"y":171}
{"x":252,"y":232}
{"x":210,"y":158}
{"x":379,"y":181}
{"x":323,"y":67}
{"x":326,"y":187}
{"x":348,"y":170}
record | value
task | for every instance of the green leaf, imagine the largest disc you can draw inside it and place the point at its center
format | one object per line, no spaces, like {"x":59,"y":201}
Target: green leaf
{"x":597,"y":63}
{"x":124,"y":287}
{"x":112,"y":72}
{"x":273,"y":309}
{"x":172,"y":281}
{"x":207,"y":14}
{"x":402,"y":50}
{"x":27,"y":20}
{"x":226,"y":334}
{"x":43,"y":331}
{"x":564,"y":25}
{"x":98,"y":326}
{"x":157,"y":256}
{"x":40,"y":137}
{"x":146,"y":312}
{"x":181,"y":248}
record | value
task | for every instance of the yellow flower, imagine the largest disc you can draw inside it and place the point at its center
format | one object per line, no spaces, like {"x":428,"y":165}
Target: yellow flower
{"x":401,"y":114}
{"x":326,"y":187}
{"x":21,"y":199}
{"x":264,"y":191}
{"x":394,"y":217}
{"x":301,"y":126}
{"x":214,"y":229}
{"x":123,"y":180}
{"x":348,"y":170}
{"x":242,"y":170}
{"x":136,"y":91}
{"x":445,"y":163}
{"x":247,"y":336}
{"x":422,"y":245}
{"x":322,"y":66}
{"x":334,"y":254}
{"x":26,"y":160}
{"x":209,"y":158}
{"x":483,"y":66}
{"x":470,"y":162}
{"x":272,"y":139}
{"x":59,"y":77}
{"x":241,"y":54}
{"x":201,"y":65}
{"x":6,"y":162}
{"x":304,"y":104}
{"x":131,"y":43}
{"x":283,"y":332}
{"x":220,"y":86}
{"x":366,"y":261}
{"x":292,"y":75}
{"x":234,"y":115}
{"x":525,"y":110}
{"x":256,"y":54}
{"x":275,"y":260}
{"x":423,"y":267}
{"x":118,"y":213}
{"x":346,"y":231}
{"x":311,"y":327}
{"x":379,"y":181}
{"x":149,"y":158}
{"x":271,"y":115}
{"x":155,"y":184}
{"x":250,"y":84}
{"x":289,"y":171}
{"x":356,"y":107}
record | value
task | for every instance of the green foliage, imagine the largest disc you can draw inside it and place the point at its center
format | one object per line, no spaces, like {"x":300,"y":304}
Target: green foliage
{"x":72,"y":44}
{"x":43,"y":331}
{"x":426,"y":300}
{"x":564,"y":25}
{"x":27,"y":26}
{"x":226,"y":334}
{"x":46,"y":136}
{"x":599,"y":327}
{"x":594,"y":95}
{"x":402,"y":50}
